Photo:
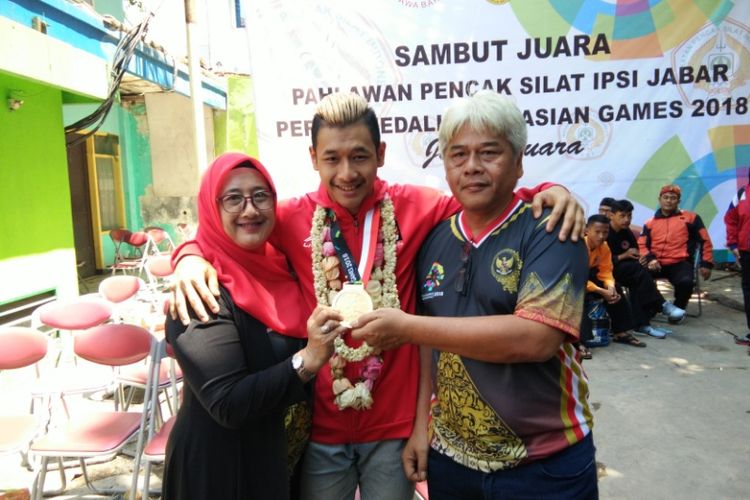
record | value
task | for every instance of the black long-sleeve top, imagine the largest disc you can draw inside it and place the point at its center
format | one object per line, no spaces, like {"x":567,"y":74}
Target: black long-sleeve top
{"x":228,"y":440}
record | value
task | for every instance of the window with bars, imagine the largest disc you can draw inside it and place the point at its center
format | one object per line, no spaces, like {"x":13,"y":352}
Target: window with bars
{"x":107,"y":181}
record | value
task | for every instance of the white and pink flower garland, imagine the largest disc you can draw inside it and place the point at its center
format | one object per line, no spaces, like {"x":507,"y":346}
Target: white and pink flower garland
{"x":381,"y":287}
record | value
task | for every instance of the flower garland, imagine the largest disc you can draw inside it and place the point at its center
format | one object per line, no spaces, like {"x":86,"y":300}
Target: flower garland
{"x":381,"y":288}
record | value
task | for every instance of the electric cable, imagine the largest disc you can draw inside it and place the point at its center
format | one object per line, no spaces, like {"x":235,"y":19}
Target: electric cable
{"x":124,"y":51}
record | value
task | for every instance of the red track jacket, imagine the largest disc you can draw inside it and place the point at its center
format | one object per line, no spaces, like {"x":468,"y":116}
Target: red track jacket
{"x":737,"y":222}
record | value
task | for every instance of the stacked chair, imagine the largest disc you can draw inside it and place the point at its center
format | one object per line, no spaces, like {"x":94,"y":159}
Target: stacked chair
{"x":134,"y":249}
{"x":118,"y":331}
{"x":20,"y":347}
{"x":158,"y":430}
{"x":65,"y":318}
{"x":159,"y":273}
{"x":161,"y":242}
{"x":131,"y":250}
{"x":100,"y":433}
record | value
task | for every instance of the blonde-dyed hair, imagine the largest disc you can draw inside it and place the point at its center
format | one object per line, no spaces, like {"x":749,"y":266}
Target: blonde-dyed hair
{"x":342,"y":109}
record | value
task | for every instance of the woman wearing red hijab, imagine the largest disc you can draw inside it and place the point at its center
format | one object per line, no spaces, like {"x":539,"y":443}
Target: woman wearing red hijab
{"x":246,"y":365}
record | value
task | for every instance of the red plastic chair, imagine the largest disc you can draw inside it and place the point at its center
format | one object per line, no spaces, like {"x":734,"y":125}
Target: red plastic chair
{"x":161,"y":242}
{"x":97,"y":434}
{"x":123,"y":294}
{"x":65,"y":317}
{"x":130,"y":251}
{"x":68,"y":315}
{"x":159,"y":271}
{"x":118,"y":289}
{"x":79,"y":313}
{"x":20,"y":347}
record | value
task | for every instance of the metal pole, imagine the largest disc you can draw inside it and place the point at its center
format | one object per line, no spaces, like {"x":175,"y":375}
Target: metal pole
{"x":196,"y":78}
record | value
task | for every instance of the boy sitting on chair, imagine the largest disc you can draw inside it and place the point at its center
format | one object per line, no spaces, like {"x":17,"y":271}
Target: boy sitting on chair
{"x":602,"y":284}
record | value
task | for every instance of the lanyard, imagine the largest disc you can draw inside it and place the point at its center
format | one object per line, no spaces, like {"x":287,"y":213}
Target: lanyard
{"x":357,"y":273}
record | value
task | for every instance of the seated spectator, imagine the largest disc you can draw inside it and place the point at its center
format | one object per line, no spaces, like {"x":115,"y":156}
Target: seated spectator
{"x":602,"y":283}
{"x":668,"y":241}
{"x":645,"y":298}
{"x":605,"y":206}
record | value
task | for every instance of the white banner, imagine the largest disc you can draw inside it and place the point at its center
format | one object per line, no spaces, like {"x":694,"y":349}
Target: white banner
{"x":621,"y":98}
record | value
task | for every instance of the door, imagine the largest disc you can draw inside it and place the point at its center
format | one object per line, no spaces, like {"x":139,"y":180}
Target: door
{"x":80,"y":202}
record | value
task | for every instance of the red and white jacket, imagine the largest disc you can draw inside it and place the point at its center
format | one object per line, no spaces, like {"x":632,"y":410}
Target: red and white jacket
{"x":737,"y":222}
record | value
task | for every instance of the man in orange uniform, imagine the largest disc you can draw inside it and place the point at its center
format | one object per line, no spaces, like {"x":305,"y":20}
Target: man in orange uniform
{"x":601,"y":282}
{"x":668,"y":242}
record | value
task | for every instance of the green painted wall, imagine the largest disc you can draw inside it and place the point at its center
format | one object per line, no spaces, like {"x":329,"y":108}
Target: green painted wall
{"x":74,"y":112}
{"x":111,"y":7}
{"x":221,"y":142}
{"x":136,"y":160}
{"x":35,"y":213}
{"x":241,"y":130}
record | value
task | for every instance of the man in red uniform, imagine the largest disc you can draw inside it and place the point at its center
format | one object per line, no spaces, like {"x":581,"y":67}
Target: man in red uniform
{"x":737,"y":222}
{"x":357,"y":435}
{"x":668,"y":242}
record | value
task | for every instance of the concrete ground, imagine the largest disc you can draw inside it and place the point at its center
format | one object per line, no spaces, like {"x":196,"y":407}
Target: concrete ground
{"x":671,"y":420}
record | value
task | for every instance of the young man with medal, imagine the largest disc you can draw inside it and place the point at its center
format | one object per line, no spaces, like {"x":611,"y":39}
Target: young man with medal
{"x":503,"y":301}
{"x":356,"y":229}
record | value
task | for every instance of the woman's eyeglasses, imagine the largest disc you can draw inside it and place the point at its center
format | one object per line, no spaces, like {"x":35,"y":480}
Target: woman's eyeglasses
{"x":237,"y":203}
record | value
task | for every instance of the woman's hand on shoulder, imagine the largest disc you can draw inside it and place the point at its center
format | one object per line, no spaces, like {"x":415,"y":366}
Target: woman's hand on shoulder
{"x":196,"y":285}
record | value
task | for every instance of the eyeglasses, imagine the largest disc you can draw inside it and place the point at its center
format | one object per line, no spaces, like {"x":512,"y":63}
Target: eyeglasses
{"x":237,"y":203}
{"x":461,"y":285}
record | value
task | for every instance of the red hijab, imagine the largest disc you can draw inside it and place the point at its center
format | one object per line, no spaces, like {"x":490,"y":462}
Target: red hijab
{"x":259,"y":280}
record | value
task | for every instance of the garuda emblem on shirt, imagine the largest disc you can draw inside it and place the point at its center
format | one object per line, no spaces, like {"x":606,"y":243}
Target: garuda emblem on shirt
{"x":506,"y":268}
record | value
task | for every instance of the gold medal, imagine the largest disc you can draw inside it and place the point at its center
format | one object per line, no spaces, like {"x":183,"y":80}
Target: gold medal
{"x":352,"y":302}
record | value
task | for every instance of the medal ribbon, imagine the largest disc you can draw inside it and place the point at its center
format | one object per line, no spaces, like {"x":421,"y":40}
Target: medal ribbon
{"x":354,"y":272}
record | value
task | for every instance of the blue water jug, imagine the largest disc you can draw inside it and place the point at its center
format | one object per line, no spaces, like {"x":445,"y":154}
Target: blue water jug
{"x":600,"y":324}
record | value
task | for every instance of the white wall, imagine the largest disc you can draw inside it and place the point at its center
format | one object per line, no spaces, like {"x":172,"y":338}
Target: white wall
{"x":30,"y":54}
{"x":31,"y":274}
{"x":170,"y":124}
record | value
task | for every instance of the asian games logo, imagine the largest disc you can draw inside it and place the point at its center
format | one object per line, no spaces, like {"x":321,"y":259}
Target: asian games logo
{"x":434,"y":277}
{"x":726,"y":44}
